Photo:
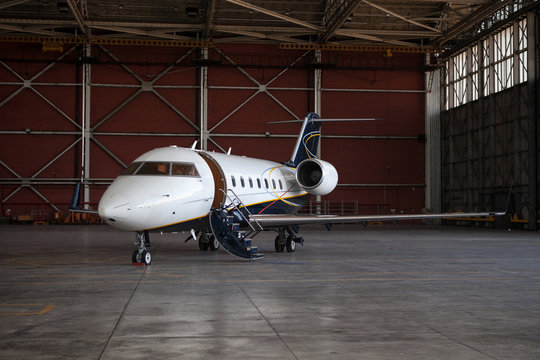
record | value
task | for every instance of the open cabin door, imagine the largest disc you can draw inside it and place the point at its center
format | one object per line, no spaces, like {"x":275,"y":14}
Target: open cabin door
{"x":219,"y":181}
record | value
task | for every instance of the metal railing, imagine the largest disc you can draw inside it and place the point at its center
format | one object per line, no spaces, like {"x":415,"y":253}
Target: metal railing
{"x":344,"y":208}
{"x":235,"y":202}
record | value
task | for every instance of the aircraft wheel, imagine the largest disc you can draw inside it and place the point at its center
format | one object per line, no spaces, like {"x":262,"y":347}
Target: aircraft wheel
{"x":277,"y":244}
{"x":203,"y":245}
{"x":146,"y":257}
{"x":213,"y":243}
{"x":291,"y":244}
{"x":135,"y":257}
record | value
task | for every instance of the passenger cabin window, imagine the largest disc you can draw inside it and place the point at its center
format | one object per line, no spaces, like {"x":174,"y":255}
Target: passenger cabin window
{"x":274,"y":184}
{"x":250,"y":183}
{"x":154,"y":168}
{"x":280,"y":184}
{"x":233,"y":180}
{"x":242,"y":181}
{"x":266,"y":183}
{"x":259,"y":183}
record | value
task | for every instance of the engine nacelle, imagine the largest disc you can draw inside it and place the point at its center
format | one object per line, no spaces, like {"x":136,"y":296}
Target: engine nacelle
{"x":317,"y":177}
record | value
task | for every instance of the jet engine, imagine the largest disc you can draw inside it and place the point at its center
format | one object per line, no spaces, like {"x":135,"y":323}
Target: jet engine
{"x":317,"y":177}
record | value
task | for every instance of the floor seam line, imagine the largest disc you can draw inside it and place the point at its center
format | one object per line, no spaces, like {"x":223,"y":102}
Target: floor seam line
{"x":268,"y":322}
{"x":125,"y":308}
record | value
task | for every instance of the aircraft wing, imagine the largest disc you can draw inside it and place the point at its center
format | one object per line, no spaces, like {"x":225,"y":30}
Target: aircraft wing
{"x":285,"y":220}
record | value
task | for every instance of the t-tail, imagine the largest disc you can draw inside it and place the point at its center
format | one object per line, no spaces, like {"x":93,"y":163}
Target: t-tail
{"x":308,"y":140}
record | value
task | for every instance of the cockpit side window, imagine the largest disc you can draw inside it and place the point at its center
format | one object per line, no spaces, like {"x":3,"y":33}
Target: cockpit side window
{"x":154,"y":168}
{"x":130,"y":170}
{"x":184,"y":169}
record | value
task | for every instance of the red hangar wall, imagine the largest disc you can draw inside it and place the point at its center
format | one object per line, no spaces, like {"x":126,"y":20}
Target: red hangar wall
{"x":86,"y":112}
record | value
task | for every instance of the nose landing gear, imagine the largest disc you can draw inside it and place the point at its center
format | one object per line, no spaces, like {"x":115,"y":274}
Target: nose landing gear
{"x":142,"y":256}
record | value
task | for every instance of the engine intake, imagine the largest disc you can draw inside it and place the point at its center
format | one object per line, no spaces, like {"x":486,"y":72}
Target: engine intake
{"x":317,"y":177}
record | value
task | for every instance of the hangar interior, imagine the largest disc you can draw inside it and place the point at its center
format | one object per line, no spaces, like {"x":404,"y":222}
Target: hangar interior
{"x":87,"y":86}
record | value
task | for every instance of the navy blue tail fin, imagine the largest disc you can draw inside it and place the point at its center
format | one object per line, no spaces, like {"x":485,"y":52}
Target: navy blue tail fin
{"x":308,"y":140}
{"x":75,"y":203}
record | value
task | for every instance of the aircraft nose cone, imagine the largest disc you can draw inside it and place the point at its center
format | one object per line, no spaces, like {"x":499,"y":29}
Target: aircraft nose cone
{"x":114,"y":208}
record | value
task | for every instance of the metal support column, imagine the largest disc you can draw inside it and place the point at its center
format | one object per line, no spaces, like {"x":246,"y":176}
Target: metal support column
{"x":433,"y":145}
{"x":204,"y":101}
{"x":85,"y":126}
{"x":532,"y":60}
{"x":317,"y":90}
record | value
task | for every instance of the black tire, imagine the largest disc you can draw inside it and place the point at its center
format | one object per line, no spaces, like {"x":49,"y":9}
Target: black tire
{"x":146,"y":257}
{"x":291,"y":244}
{"x":277,"y":244}
{"x":203,"y":245}
{"x":213,"y":243}
{"x":134,"y":257}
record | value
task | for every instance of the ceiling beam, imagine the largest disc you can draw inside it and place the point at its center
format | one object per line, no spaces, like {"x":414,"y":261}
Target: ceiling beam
{"x":132,"y":31}
{"x":78,"y":16}
{"x":471,"y":20}
{"x":30,"y":30}
{"x":210,"y":12}
{"x":314,"y":27}
{"x":265,"y":36}
{"x":338,"y":18}
{"x":12,"y":3}
{"x":274,"y":14}
{"x":266,"y":29}
{"x":394,"y":14}
{"x":346,"y":32}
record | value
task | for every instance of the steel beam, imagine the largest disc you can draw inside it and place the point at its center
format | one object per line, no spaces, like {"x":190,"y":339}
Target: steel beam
{"x":433,"y":145}
{"x":532,"y":81}
{"x":86,"y":131}
{"x":77,"y":15}
{"x":338,"y":18}
{"x":317,"y":104}
{"x":203,"y":101}
{"x":401,"y":17}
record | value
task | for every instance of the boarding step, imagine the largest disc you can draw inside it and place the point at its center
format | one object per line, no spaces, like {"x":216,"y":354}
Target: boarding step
{"x":230,"y":237}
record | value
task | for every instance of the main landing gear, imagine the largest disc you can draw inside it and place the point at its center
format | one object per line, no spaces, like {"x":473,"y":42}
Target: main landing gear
{"x":208,"y":241}
{"x":142,"y":255}
{"x":287,"y":239}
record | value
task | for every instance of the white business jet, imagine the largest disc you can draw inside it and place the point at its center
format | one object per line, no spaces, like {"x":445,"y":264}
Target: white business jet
{"x":213,"y":196}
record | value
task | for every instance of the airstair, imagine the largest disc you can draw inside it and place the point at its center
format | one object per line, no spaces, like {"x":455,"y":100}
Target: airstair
{"x":225,"y":224}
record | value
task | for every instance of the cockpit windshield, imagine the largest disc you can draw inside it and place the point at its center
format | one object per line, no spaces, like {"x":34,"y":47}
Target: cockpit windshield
{"x":161,"y":168}
{"x":154,"y":168}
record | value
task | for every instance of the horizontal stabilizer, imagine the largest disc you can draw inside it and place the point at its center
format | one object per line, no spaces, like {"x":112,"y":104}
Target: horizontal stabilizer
{"x":321,"y":120}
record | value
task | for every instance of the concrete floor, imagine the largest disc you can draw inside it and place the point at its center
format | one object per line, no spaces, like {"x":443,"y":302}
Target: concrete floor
{"x":385,"y":292}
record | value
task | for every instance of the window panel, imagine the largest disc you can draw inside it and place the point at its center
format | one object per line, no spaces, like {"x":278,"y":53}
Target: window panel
{"x":154,"y":168}
{"x":495,"y":64}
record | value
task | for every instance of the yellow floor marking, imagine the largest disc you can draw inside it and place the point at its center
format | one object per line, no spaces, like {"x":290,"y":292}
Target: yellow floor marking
{"x":44,"y":309}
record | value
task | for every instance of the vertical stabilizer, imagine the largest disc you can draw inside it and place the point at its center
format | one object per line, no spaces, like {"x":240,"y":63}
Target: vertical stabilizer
{"x":308,"y":140}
